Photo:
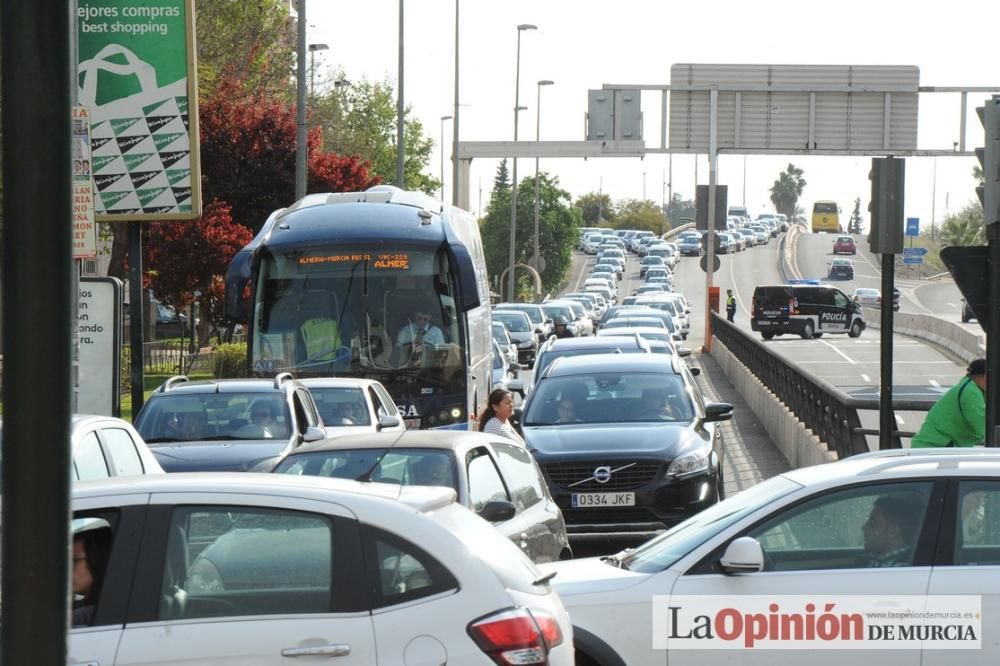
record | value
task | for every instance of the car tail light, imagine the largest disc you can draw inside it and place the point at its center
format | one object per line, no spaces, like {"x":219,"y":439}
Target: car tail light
{"x":517,"y":636}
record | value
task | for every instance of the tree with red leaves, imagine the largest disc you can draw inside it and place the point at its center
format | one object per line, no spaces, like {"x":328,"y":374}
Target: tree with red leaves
{"x":184,"y":257}
{"x":248,"y":157}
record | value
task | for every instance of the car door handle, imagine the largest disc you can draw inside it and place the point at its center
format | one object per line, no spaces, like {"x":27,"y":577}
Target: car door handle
{"x":337,"y":650}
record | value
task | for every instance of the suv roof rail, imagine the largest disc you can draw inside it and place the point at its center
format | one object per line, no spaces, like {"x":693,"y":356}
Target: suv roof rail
{"x":895,"y":458}
{"x":169,"y":384}
{"x":281,"y":378}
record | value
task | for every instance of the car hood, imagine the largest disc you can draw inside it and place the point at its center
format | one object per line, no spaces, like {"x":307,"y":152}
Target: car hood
{"x":589,"y":575}
{"x":212,"y":456}
{"x":613,"y":440}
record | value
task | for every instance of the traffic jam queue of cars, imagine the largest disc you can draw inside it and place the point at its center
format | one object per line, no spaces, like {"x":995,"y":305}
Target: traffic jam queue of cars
{"x":364,"y":541}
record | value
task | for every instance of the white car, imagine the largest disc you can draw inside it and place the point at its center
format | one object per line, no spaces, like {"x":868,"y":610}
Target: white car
{"x":106,"y":446}
{"x":231,"y":569}
{"x":350,"y":406}
{"x":887,"y":525}
{"x":868,"y":297}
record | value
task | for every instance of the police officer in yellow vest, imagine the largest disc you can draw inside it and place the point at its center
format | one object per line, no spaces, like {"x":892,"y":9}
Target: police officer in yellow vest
{"x":730,"y":305}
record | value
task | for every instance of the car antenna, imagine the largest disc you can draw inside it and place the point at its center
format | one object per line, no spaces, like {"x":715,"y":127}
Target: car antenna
{"x":367,"y":475}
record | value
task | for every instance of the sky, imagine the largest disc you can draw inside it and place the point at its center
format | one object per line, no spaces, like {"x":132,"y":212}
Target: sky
{"x":584,"y":44}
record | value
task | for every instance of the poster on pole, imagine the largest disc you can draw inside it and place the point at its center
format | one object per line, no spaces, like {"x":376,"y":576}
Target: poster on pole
{"x":84,"y":228}
{"x":138,"y":78}
{"x":99,"y":330}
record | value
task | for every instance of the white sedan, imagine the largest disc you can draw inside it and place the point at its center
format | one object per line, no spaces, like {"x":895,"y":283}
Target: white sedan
{"x":350,"y":406}
{"x":868,"y":297}
{"x":233,"y":569}
{"x":896,"y":529}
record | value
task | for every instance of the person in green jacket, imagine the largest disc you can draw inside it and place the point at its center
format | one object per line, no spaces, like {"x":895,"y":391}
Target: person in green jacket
{"x":959,"y":417}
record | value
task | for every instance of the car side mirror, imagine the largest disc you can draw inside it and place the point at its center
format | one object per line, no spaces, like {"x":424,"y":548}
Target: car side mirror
{"x":718,"y":411}
{"x":499,"y":510}
{"x":515,"y":367}
{"x":684,"y":352}
{"x":694,"y":371}
{"x":743,"y":555}
{"x":388,"y":421}
{"x":313,"y":434}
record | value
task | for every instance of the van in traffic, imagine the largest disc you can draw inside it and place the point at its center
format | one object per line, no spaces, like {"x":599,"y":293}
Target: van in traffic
{"x":808,"y":310}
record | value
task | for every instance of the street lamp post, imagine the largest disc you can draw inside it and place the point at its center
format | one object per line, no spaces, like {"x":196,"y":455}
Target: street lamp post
{"x":399,"y":108}
{"x":538,"y":133}
{"x":301,"y":147}
{"x":443,"y":118}
{"x":312,"y":67}
{"x":513,"y":190}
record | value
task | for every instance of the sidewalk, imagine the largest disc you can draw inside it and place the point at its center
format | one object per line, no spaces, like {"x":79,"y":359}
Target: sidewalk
{"x":750,"y":456}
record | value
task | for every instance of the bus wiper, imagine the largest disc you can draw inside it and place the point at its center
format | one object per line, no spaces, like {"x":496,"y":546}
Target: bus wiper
{"x":618,"y":559}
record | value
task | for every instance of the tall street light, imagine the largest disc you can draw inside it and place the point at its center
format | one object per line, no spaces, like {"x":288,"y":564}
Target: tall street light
{"x":538,"y":125}
{"x":513,"y":190}
{"x":312,"y":67}
{"x":443,"y":118}
{"x":399,"y":107}
{"x":301,"y":147}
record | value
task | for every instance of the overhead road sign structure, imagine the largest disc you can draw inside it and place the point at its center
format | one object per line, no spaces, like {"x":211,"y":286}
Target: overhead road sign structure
{"x":795,"y":107}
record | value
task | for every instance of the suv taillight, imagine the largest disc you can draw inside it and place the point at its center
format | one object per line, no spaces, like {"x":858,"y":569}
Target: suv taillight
{"x":517,"y":636}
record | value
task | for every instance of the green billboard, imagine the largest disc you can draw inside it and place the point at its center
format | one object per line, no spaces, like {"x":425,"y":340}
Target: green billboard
{"x":137,"y":75}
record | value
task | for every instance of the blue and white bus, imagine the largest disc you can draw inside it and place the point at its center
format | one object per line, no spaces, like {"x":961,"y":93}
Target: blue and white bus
{"x":344,"y":285}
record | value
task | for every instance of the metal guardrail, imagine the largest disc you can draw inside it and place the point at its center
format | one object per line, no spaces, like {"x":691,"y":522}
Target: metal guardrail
{"x":831,"y":414}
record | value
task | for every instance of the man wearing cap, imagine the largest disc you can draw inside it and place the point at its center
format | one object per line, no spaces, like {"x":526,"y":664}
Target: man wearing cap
{"x":958,"y":418}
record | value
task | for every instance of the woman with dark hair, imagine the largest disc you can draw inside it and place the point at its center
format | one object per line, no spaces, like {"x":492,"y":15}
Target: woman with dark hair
{"x":495,"y":419}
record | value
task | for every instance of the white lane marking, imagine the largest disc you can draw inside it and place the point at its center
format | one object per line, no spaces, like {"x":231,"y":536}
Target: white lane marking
{"x":845,"y":356}
{"x":866,"y":378}
{"x":934,"y":384}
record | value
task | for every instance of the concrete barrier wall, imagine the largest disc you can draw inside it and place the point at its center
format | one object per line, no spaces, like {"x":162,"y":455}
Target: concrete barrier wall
{"x":797,"y":443}
{"x":948,"y":335}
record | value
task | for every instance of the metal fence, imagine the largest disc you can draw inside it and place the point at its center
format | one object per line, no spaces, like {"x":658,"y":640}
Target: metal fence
{"x":831,"y":414}
{"x":169,"y":357}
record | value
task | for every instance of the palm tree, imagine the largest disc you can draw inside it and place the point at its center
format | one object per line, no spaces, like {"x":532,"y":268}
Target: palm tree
{"x":965,"y":227}
{"x":787,"y":189}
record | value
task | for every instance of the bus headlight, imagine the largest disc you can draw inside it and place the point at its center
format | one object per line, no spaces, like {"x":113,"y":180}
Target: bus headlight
{"x":456,"y":413}
{"x":689,"y":464}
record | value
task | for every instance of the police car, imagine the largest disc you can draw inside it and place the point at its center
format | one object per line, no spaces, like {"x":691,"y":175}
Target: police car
{"x":805,"y":308}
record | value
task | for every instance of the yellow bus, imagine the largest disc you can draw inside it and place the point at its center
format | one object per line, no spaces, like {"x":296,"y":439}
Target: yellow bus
{"x":826,"y":217}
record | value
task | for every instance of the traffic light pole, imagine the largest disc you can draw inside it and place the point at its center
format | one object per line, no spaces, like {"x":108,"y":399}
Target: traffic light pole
{"x":713,"y":156}
{"x":992,"y":349}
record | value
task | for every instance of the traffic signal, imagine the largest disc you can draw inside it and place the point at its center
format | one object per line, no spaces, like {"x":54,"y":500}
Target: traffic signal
{"x":888,"y":176}
{"x":989,"y":159}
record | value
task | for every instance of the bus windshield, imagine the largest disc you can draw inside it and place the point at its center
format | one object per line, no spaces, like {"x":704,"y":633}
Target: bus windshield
{"x":825,"y":207}
{"x":352,"y":311}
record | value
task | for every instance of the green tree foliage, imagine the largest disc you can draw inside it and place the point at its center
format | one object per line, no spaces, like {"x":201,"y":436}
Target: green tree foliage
{"x":360,"y":119}
{"x":854,"y":226}
{"x":501,"y":182}
{"x":787,"y":189}
{"x":557,"y":230}
{"x":678,"y":209}
{"x":643,"y":215}
{"x":250,"y":41}
{"x":965,"y":227}
{"x":597,"y":209}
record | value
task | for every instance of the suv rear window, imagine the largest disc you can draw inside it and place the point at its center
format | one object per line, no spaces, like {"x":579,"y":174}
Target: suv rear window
{"x":771,"y":296}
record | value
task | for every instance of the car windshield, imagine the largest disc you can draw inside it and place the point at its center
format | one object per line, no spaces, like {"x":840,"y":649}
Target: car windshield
{"x":513,"y":323}
{"x":341,"y":405}
{"x":406,"y":467}
{"x":193,"y":417}
{"x":632,"y":322}
{"x":609,"y":397}
{"x":665,"y":550}
{"x":534,"y":312}
{"x":546,"y":359}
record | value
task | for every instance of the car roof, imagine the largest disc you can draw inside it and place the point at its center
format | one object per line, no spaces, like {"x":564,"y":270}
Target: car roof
{"x":589,"y":364}
{"x":337,"y":382}
{"x":409,"y":439}
{"x":180,"y":385}
{"x":420,"y":498}
{"x":593,"y":342}
{"x":894,"y":463}
{"x":632,"y":329}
